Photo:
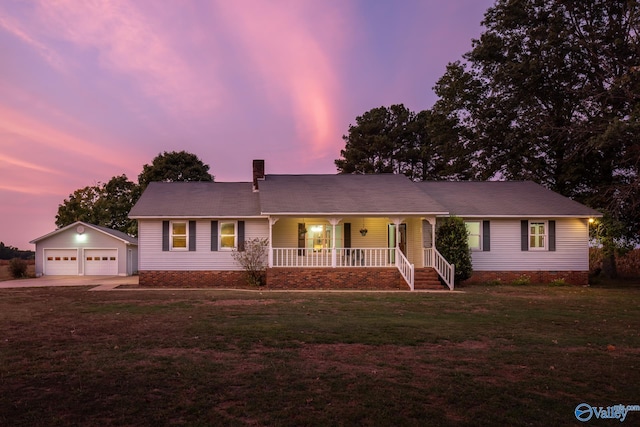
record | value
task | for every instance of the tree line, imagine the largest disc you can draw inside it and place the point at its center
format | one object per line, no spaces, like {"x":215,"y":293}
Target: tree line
{"x":550,"y":92}
{"x":9,"y":252}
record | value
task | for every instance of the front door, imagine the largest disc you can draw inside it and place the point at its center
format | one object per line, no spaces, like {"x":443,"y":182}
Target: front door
{"x":402,"y":240}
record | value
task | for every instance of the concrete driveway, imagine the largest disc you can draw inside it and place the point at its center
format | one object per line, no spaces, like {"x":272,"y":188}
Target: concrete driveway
{"x":104,"y":282}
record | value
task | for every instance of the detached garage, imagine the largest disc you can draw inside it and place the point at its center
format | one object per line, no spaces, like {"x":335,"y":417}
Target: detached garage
{"x":86,"y":250}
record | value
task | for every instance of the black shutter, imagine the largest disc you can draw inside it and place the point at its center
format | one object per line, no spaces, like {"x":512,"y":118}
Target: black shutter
{"x":552,"y":235}
{"x":486,"y":236}
{"x":214,"y":235}
{"x":301,"y":237}
{"x":165,"y":235}
{"x":524,"y":235}
{"x":192,"y":236}
{"x":241,"y":236}
{"x":347,"y":235}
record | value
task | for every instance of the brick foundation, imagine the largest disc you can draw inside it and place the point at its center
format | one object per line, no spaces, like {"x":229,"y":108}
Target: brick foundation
{"x":335,"y":278}
{"x":193,"y":279}
{"x":280,"y":278}
{"x":541,"y":277}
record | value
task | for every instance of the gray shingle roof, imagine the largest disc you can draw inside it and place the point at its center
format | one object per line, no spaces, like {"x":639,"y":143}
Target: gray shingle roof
{"x":117,"y":233}
{"x":383,"y":194}
{"x":344,"y":194}
{"x":197,"y":199}
{"x":503,"y":198}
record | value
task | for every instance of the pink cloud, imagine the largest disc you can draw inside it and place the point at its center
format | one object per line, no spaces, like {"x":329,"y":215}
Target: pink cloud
{"x":294,"y":48}
{"x":127,"y":41}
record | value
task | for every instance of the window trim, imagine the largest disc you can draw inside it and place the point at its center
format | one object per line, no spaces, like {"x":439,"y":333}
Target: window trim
{"x":545,"y":247}
{"x":235,"y":236}
{"x":478,"y":248}
{"x":172,"y":235}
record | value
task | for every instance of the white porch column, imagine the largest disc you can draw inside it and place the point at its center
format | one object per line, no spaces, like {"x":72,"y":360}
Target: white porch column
{"x":272,"y":221}
{"x":433,"y":232}
{"x":334,"y":255}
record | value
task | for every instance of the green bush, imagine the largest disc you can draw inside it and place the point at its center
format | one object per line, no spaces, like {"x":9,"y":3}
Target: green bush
{"x":18,"y":268}
{"x":452,"y":243}
{"x":558,"y":282}
{"x":522,"y":281}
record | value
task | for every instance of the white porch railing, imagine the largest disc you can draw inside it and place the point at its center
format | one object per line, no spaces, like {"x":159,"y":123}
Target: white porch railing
{"x":406,"y":269}
{"x":347,"y":257}
{"x":344,"y":257}
{"x":433,"y":258}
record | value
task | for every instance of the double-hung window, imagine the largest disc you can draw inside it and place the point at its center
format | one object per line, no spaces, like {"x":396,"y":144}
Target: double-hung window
{"x":474,"y":235}
{"x":228,"y":235}
{"x":537,"y":235}
{"x":179,"y":236}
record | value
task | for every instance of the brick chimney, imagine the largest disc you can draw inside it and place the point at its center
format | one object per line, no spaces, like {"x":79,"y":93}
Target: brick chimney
{"x":258,"y":173}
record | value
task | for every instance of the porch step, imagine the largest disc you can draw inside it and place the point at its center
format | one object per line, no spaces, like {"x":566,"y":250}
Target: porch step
{"x":427,"y":278}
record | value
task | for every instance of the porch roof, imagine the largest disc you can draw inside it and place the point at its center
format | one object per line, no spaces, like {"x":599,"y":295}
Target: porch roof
{"x":503,"y":199}
{"x":197,"y":199}
{"x":381,"y":194}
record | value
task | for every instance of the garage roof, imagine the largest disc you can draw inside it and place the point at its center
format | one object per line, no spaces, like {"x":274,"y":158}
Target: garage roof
{"x":114,"y":233}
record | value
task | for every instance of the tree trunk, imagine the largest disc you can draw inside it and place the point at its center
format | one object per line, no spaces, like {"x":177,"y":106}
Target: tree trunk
{"x":609,"y":265}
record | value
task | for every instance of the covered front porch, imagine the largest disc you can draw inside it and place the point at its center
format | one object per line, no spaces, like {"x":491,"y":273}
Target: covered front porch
{"x":372,"y":243}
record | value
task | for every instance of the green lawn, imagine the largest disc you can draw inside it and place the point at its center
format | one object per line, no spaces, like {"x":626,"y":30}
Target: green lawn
{"x":489,"y":356}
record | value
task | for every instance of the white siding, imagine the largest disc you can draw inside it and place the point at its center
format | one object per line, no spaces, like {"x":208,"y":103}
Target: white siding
{"x":571,"y":254}
{"x":152,"y":257}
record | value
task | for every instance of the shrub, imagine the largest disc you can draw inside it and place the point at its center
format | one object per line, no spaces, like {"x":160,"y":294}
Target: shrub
{"x":253,"y":260}
{"x":558,"y":282}
{"x":452,"y":243}
{"x":521,"y":281}
{"x":18,"y":268}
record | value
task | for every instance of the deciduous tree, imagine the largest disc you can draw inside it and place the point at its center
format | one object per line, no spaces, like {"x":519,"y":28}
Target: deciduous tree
{"x":551,"y":93}
{"x":396,"y":140}
{"x":174,"y":166}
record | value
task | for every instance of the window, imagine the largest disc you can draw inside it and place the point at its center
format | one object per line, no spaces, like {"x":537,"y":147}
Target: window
{"x":179,"y":236}
{"x":537,"y":235}
{"x":319,"y":237}
{"x":474,"y":235}
{"x":228,"y":235}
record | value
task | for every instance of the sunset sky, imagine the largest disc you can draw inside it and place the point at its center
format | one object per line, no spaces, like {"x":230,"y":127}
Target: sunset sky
{"x":94,"y":89}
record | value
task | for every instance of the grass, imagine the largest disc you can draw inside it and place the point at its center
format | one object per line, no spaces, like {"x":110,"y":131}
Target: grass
{"x":498,"y":355}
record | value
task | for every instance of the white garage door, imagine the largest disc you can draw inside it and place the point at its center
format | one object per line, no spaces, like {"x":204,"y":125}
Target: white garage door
{"x":101,"y":262}
{"x":61,"y":262}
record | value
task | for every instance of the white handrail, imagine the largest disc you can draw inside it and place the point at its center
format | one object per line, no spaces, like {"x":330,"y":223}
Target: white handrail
{"x":433,"y":258}
{"x":406,"y":269}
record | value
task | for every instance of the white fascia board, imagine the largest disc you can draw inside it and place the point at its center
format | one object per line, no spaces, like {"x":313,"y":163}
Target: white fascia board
{"x":380,"y":214}
{"x":528,"y":216}
{"x":199,"y":217}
